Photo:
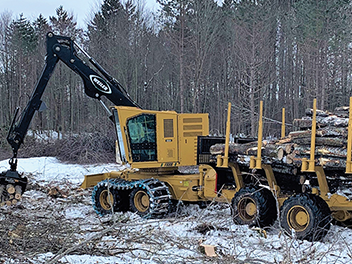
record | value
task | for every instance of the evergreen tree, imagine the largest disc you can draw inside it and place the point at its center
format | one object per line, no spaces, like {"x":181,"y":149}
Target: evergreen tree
{"x":116,"y":34}
{"x":64,"y":24}
{"x":23,"y":44}
{"x":23,"y":36}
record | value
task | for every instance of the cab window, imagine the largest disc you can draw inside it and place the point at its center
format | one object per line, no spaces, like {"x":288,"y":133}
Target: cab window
{"x":142,"y":137}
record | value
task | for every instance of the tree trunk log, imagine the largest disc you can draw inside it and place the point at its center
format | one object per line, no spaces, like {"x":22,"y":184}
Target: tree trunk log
{"x":322,"y":141}
{"x":330,"y":144}
{"x":309,"y":112}
{"x":302,"y":123}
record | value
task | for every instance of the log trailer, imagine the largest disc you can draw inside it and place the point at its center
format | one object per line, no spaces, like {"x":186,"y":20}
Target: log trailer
{"x":156,"y":143}
{"x":304,"y":202}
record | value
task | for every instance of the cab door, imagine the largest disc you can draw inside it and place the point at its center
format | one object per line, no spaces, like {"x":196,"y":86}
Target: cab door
{"x":167,"y":139}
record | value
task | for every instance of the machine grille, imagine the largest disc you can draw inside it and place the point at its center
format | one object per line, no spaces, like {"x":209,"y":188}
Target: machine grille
{"x":168,"y":128}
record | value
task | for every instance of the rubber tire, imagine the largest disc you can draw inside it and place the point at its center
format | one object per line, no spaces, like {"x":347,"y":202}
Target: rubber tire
{"x":134,"y":207}
{"x":266,"y":212}
{"x":318,"y":212}
{"x":100,"y":210}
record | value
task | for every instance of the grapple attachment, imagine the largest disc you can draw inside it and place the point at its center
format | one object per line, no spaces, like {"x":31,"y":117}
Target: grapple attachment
{"x":12,"y":185}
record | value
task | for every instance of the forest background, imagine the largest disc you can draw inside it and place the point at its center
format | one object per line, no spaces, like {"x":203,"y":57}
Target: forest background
{"x":189,"y":56}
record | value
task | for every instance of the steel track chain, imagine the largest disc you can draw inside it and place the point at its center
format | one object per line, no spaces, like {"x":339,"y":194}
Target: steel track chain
{"x":159,"y":194}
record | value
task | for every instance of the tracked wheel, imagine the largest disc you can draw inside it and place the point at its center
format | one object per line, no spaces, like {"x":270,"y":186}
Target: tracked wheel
{"x":140,"y":201}
{"x":254,"y":206}
{"x":105,"y":198}
{"x":150,"y":198}
{"x":308,"y":215}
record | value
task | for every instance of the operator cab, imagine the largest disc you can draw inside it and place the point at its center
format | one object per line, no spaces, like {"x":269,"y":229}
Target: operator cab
{"x":154,"y":139}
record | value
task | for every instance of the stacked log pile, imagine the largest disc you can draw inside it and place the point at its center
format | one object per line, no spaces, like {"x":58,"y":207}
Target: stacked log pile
{"x":14,"y":194}
{"x":331,"y":142}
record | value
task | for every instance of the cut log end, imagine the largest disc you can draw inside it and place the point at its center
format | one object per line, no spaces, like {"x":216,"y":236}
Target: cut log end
{"x":280,"y":153}
{"x":10,"y":189}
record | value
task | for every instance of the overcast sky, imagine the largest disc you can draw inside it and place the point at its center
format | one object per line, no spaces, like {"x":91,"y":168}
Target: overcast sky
{"x":80,"y":8}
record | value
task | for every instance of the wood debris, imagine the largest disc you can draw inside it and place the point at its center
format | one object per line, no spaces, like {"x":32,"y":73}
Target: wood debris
{"x":208,"y":250}
{"x":56,"y":192}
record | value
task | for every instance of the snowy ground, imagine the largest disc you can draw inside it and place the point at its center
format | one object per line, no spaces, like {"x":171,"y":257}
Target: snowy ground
{"x":65,"y":229}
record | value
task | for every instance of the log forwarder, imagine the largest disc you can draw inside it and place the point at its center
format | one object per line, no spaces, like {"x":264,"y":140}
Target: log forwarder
{"x":156,"y":143}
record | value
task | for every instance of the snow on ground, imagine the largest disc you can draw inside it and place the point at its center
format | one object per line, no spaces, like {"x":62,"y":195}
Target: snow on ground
{"x":65,"y":229}
{"x":49,"y":169}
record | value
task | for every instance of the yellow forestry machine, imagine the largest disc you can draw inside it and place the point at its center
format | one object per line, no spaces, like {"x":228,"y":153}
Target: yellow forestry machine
{"x":156,"y":143}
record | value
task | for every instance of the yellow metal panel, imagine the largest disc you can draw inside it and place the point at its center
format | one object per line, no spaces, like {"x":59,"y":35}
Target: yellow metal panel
{"x":190,"y":126}
{"x":167,"y":137}
{"x":210,"y":190}
{"x":92,"y":179}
